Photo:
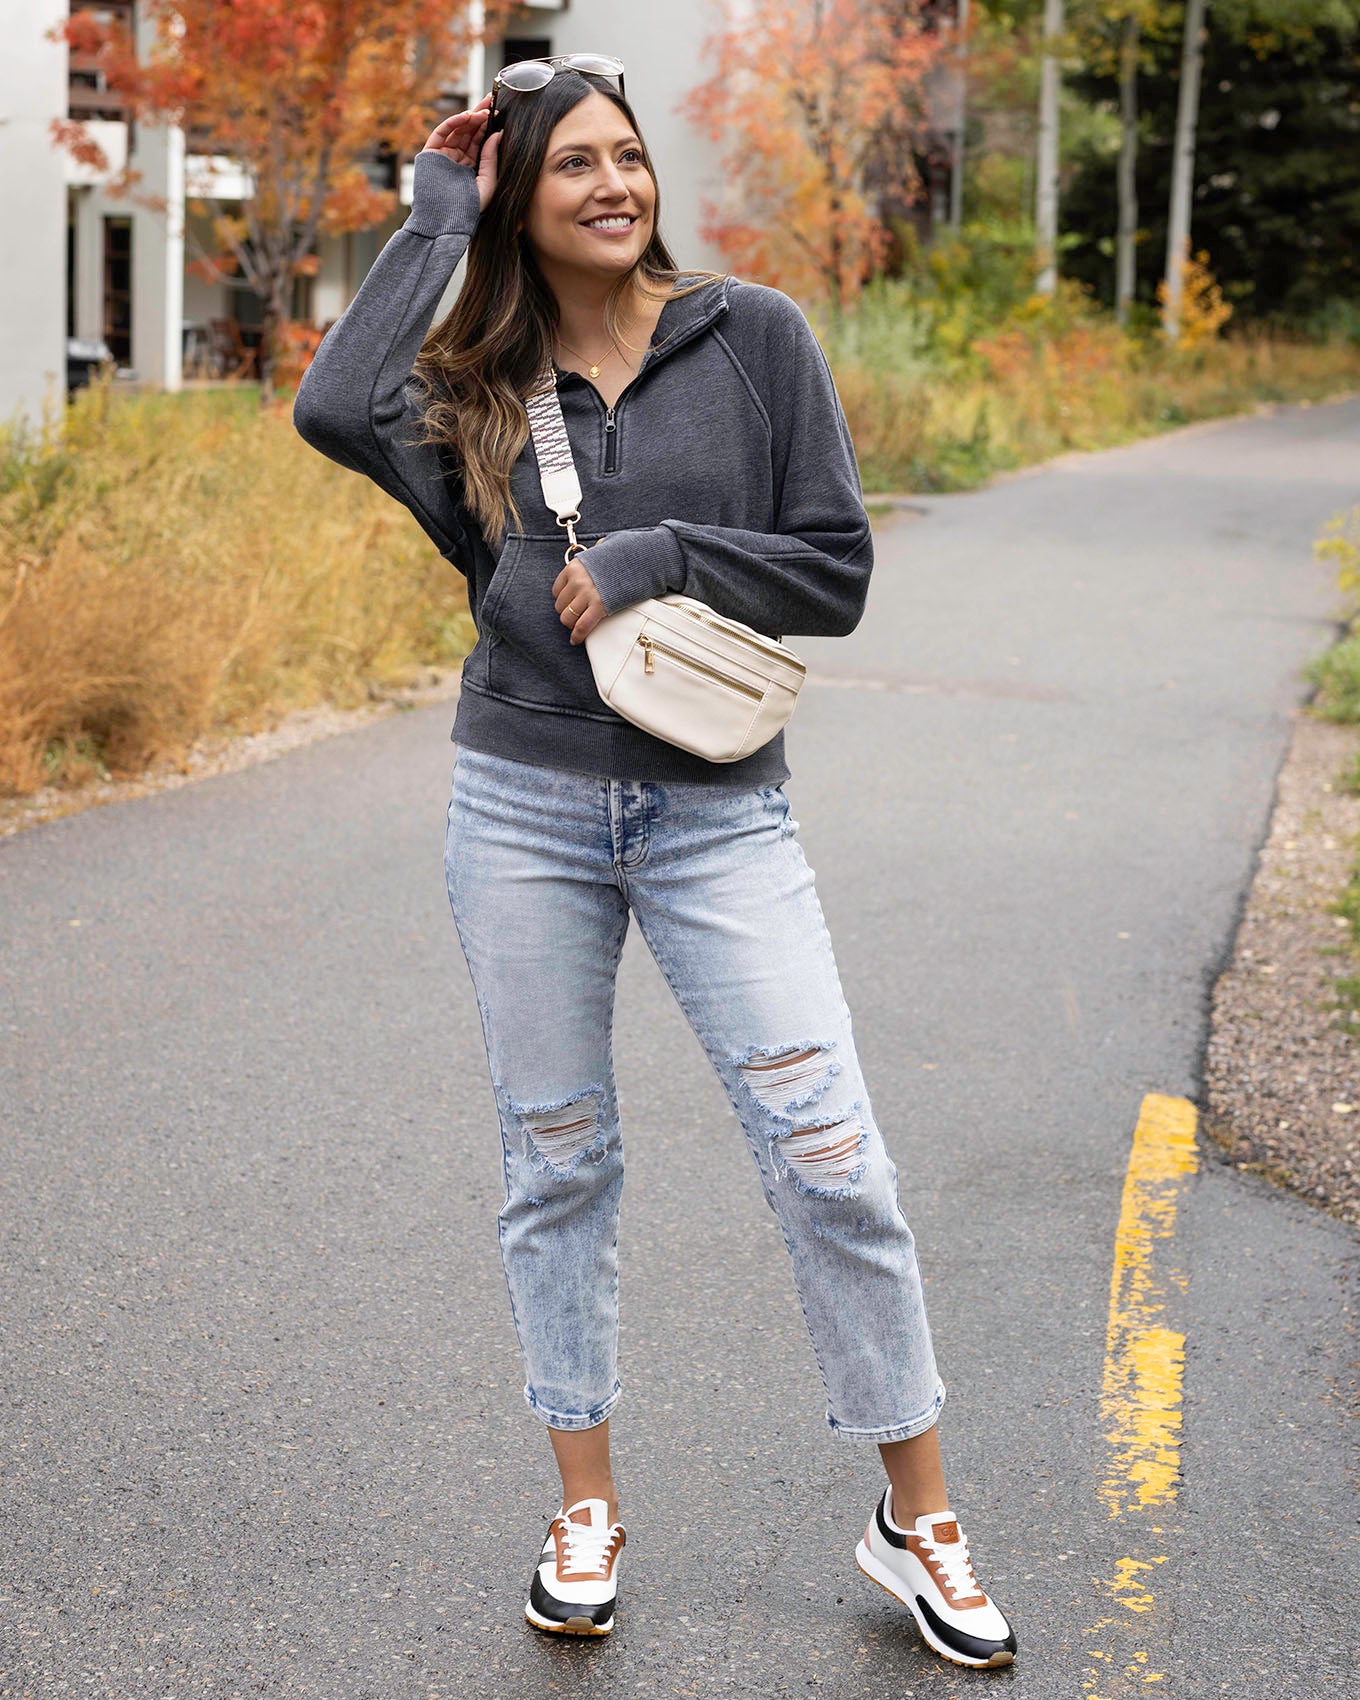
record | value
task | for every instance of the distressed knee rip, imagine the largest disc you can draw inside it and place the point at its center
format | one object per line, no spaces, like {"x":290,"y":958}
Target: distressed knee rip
{"x":789,"y":1078}
{"x":826,"y":1159}
{"x":561,"y":1134}
{"x":821,"y":1155}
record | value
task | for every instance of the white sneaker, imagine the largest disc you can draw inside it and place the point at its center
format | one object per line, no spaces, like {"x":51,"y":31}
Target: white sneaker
{"x":576,"y":1581}
{"x":928,"y":1568}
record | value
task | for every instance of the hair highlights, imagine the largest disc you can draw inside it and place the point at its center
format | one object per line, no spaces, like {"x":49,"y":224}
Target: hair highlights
{"x":478,"y":364}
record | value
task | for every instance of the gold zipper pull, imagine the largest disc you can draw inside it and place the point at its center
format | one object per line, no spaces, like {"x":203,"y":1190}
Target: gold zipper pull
{"x":649,"y":657}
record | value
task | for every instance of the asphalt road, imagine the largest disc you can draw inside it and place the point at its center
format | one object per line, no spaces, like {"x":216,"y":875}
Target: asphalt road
{"x":262,"y":1427}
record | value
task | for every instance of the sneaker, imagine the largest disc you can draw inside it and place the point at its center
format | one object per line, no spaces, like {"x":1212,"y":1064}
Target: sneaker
{"x":927,"y":1567}
{"x":573,"y":1588}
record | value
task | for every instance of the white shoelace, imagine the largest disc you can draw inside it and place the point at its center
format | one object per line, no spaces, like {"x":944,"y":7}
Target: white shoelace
{"x":953,"y":1559}
{"x":585,"y":1546}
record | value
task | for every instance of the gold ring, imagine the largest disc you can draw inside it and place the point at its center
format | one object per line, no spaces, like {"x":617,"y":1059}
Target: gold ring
{"x":570,"y":605}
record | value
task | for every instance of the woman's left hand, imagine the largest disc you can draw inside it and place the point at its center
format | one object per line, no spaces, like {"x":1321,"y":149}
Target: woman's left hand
{"x":578,"y":603}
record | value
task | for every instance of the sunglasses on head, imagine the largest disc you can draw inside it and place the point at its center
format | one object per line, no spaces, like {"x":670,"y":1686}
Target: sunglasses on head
{"x":528,"y":76}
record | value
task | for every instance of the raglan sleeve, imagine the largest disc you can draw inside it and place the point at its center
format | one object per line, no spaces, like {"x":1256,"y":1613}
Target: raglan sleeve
{"x":810,"y":573}
{"x":355,"y":403}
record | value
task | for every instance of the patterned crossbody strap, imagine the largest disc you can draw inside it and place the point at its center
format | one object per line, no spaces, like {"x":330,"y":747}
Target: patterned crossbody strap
{"x":556,"y":468}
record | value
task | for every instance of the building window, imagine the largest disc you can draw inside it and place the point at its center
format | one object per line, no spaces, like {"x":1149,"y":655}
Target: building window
{"x":70,"y":269}
{"x":301,"y":308}
{"x":380,"y":165}
{"x":118,"y":288}
{"x":515,"y":48}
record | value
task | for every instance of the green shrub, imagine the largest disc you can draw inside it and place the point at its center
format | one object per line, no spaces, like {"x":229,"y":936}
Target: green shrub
{"x":890,"y":330}
{"x":1337,"y":677}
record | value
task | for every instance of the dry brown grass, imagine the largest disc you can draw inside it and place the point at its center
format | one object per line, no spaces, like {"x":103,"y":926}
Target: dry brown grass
{"x":175,"y":564}
{"x":1026,"y":396}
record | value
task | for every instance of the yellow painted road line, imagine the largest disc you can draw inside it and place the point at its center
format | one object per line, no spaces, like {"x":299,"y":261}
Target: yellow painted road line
{"x":1144,"y":1359}
{"x":1141,"y":1391}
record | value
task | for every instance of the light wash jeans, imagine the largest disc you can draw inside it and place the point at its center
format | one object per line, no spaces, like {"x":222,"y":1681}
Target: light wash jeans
{"x":543,"y":868}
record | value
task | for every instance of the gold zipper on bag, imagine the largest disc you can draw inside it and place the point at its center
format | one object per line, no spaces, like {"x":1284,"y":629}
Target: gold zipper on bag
{"x":650,"y":647}
{"x":769,"y":645}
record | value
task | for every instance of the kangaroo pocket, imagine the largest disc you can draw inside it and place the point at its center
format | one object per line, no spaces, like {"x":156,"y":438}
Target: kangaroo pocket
{"x":532,"y":657}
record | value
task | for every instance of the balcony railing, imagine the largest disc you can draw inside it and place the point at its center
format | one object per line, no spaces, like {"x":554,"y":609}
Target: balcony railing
{"x":87,"y":96}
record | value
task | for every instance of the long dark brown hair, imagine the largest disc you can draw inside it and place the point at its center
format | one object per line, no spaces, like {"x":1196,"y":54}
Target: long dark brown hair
{"x":478,"y":364}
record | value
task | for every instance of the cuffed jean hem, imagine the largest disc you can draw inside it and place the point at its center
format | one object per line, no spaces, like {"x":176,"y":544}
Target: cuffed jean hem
{"x":574,"y":1419}
{"x":895,"y":1431}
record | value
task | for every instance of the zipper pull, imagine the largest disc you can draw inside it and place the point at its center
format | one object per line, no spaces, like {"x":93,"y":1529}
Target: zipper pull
{"x":609,"y":419}
{"x":649,"y":656}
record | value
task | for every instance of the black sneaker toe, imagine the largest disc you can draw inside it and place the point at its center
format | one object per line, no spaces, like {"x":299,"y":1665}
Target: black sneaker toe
{"x":970,"y":1646}
{"x":566,"y":1611}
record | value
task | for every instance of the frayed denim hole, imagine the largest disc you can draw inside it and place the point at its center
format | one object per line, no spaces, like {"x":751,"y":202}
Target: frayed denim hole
{"x":559,"y":1136}
{"x":785,"y":1078}
{"x":826,"y":1159}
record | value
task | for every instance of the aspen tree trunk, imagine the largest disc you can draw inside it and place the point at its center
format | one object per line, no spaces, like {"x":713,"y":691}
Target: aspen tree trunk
{"x":271,"y":328}
{"x":1046,"y":187}
{"x":837,"y":290}
{"x":956,"y":165}
{"x":1183,"y":167}
{"x":1125,"y":269}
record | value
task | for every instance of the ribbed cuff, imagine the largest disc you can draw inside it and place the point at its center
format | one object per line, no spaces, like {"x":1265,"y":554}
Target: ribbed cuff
{"x":444,"y":201}
{"x":629,"y":566}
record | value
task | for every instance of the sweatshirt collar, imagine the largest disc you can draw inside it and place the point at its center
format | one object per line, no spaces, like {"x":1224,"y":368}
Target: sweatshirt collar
{"x":683,"y":318}
{"x":686,"y":316}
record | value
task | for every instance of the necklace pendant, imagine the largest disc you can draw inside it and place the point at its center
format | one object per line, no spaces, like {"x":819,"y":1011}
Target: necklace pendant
{"x":594,"y":371}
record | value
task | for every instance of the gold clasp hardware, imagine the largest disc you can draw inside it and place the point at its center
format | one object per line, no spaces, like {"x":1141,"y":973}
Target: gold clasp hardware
{"x":648,"y":655}
{"x":568,"y":521}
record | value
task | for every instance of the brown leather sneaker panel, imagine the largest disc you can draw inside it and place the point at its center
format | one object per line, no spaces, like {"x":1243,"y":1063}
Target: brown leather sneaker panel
{"x":604,"y":1570}
{"x":918,"y":1548}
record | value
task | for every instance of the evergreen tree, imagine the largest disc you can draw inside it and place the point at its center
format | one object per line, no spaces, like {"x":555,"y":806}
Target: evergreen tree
{"x":1277,"y":182}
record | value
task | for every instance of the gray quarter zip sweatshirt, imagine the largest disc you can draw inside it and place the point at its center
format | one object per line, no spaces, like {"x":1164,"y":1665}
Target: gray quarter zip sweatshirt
{"x":724,"y":471}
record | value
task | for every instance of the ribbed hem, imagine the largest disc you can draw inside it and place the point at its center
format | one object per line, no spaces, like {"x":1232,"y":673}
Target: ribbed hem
{"x":609,"y":749}
{"x":629,"y":566}
{"x":444,"y":197}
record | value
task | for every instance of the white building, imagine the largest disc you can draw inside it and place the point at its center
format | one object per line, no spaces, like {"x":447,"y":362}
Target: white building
{"x":78,"y":263}
{"x":32,"y":209}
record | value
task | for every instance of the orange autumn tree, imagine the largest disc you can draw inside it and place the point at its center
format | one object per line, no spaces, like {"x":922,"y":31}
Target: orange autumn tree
{"x":298,"y":93}
{"x":818,"y":107}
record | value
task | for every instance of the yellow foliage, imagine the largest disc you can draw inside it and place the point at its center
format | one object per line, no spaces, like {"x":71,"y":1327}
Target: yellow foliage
{"x":1340,"y":542}
{"x":1204,"y":312}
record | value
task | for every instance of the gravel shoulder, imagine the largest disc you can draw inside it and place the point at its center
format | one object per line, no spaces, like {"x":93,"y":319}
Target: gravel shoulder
{"x":1282,"y":1073}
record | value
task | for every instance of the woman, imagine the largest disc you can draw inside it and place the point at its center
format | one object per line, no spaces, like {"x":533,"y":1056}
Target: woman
{"x":714,"y":460}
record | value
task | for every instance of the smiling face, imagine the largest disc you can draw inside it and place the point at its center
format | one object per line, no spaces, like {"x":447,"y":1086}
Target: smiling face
{"x":594,"y":205}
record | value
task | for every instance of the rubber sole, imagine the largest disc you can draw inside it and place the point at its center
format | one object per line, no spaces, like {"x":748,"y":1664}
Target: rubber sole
{"x":573,"y":1625}
{"x":879,"y":1572}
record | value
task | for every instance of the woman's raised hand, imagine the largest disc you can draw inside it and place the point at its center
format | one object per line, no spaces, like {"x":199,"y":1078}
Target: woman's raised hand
{"x":460,"y":139}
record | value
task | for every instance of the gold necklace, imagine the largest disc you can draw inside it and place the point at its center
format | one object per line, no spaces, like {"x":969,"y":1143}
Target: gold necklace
{"x":594,"y":365}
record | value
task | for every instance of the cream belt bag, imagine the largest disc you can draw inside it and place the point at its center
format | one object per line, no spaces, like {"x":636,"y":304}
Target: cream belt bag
{"x":670,"y":664}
